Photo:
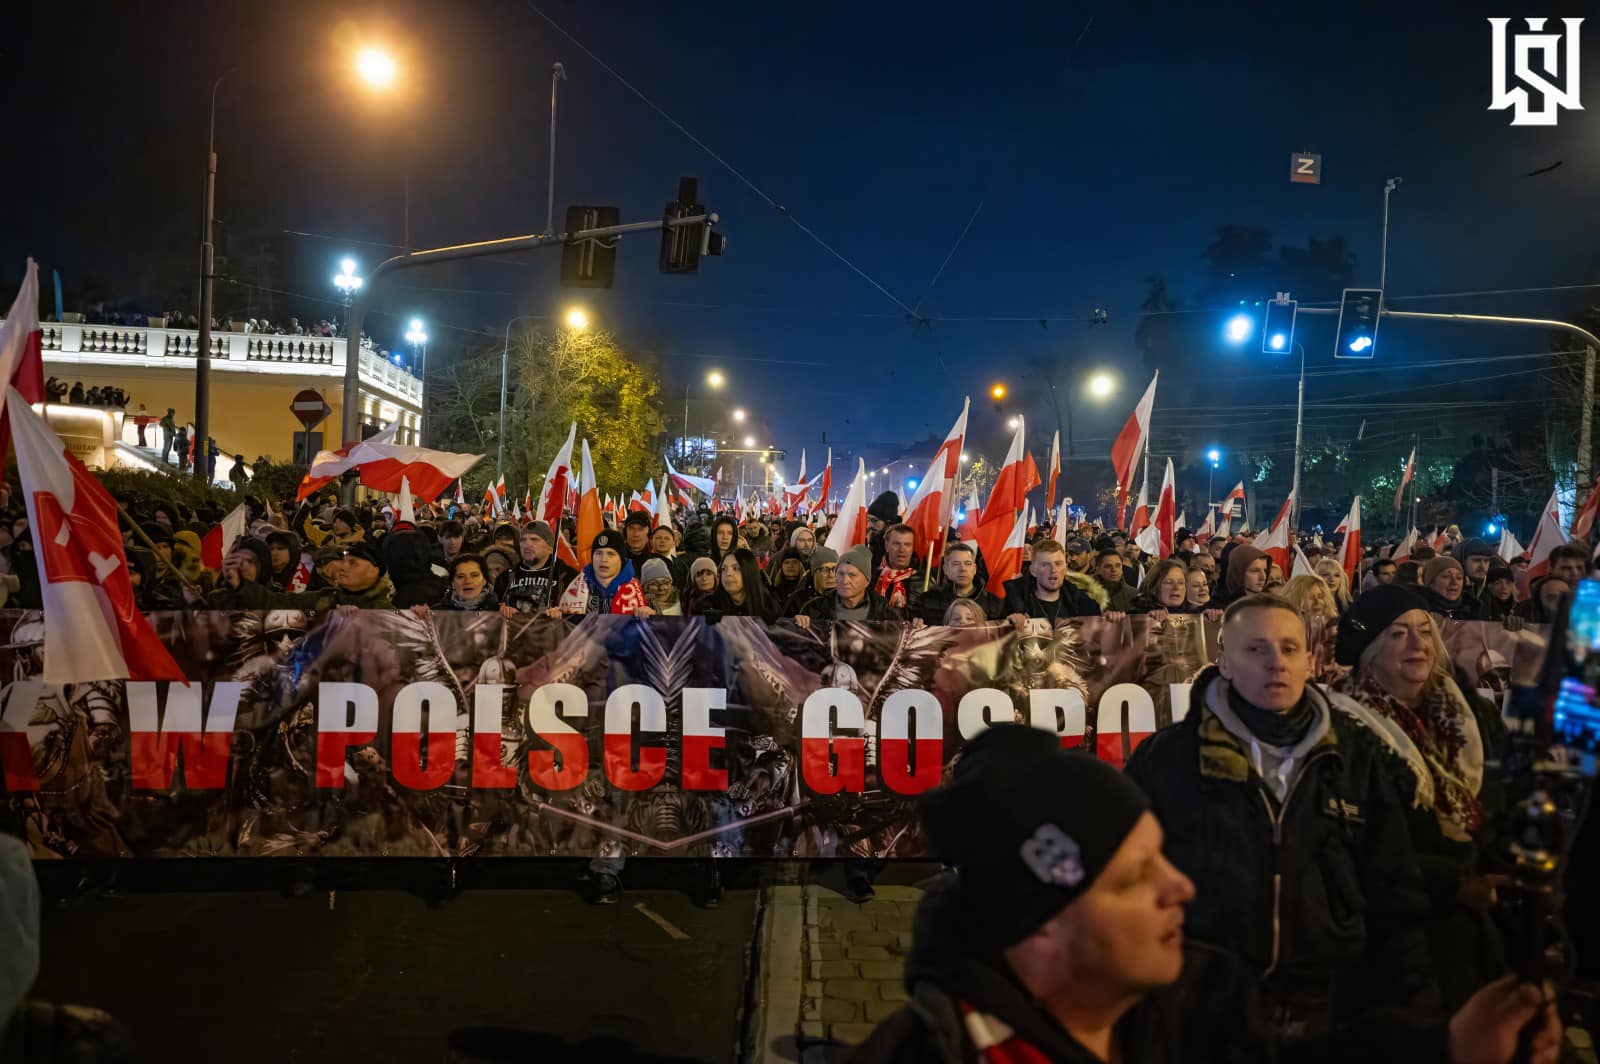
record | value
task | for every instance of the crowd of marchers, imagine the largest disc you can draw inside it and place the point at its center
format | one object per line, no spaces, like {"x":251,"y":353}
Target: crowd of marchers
{"x":1331,"y":815}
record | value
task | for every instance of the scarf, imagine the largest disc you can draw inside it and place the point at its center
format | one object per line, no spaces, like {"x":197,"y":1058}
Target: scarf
{"x":469,"y":604}
{"x":891,"y":584}
{"x":1445,"y":731}
{"x":1283,"y":730}
{"x":996,"y":1042}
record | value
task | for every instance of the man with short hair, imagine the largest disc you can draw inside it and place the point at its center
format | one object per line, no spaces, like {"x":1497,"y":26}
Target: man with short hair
{"x":899,"y":567}
{"x":1215,"y":546}
{"x":636,"y":530}
{"x":1280,"y":801}
{"x":1568,"y":564}
{"x":535,"y":584}
{"x":363,"y":582}
{"x":1383,"y":571}
{"x":884,"y":511}
{"x":1044,"y":591}
{"x":960,"y":570}
{"x":852,"y":598}
{"x":1108,"y":574}
{"x":1476,"y":557}
{"x":1080,"y":556}
{"x":451,"y":536}
{"x":607,"y":583}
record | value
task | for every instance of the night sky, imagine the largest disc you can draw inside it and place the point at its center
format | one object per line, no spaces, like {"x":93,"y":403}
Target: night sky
{"x":1105,"y":142}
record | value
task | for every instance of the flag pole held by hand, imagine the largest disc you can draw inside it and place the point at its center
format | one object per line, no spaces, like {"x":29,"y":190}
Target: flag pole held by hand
{"x":148,"y":542}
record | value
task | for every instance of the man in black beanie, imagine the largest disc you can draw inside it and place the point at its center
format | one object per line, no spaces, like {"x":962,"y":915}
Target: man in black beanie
{"x":1062,"y":915}
{"x":884,"y":511}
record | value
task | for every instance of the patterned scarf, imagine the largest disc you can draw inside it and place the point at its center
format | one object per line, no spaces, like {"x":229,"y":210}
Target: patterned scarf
{"x":891,"y":584}
{"x":1446,"y":732}
{"x":996,"y":1042}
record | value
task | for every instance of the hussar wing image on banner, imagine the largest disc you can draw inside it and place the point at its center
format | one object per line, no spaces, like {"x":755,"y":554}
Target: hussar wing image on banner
{"x":313,"y":735}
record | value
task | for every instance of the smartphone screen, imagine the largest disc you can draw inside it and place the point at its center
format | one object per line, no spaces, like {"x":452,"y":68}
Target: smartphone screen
{"x":1576,"y":713}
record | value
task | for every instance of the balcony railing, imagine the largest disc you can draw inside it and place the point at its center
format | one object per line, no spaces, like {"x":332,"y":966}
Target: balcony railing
{"x":321,"y":356}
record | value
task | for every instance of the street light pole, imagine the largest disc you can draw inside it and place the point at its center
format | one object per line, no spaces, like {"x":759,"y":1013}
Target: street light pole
{"x":202,"y":359}
{"x":558,"y":74}
{"x":1299,"y":425}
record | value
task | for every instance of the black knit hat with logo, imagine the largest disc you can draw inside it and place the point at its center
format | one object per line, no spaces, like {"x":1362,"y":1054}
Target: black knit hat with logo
{"x":1373,"y":610}
{"x":1028,"y":825}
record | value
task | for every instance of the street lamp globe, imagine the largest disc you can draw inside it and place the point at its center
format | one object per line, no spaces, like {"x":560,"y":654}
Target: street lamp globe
{"x":1214,"y":456}
{"x":715,"y":378}
{"x":1239,"y":328}
{"x":738,"y":415}
{"x":577,"y":319}
{"x":415,"y":333}
{"x":997,"y":392}
{"x":749,"y":441}
{"x":346,"y":280}
{"x":1013,"y":423}
{"x":1101,"y":385}
{"x":376,"y":67}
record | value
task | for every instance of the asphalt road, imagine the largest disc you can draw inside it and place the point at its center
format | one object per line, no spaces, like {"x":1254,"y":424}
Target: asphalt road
{"x":491,"y":975}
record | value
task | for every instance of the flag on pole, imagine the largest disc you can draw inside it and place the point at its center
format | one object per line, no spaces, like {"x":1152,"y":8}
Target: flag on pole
{"x":1403,"y":551}
{"x":22,"y":349}
{"x":1302,"y":564}
{"x":553,"y":493}
{"x":488,"y":501}
{"x":589,"y":520}
{"x":1350,"y":550}
{"x":408,"y":508}
{"x":1275,"y":541}
{"x":850,"y":530}
{"x":683,"y":481}
{"x":825,"y":495}
{"x":216,"y":544}
{"x":663,"y":513}
{"x":1055,"y":470}
{"x":1141,"y":512}
{"x":1204,"y":533}
{"x":1007,"y":561}
{"x":968,"y":531}
{"x":931,"y":506}
{"x":1165,"y":509}
{"x":1583,"y":520}
{"x":500,"y":506}
{"x":1546,"y":538}
{"x":1509,"y":547}
{"x":1283,"y":513}
{"x":93,"y":630}
{"x":1131,"y":441}
{"x":461,"y":498}
{"x":382,"y":462}
{"x":1405,"y":478}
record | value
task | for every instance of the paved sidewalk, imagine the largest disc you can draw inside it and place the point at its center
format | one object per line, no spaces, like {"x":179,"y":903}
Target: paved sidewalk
{"x":831,"y":968}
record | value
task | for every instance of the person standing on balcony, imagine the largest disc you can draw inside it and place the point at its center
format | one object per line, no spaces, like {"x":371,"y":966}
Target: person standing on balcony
{"x":237,"y":476}
{"x":141,"y":420}
{"x":169,"y":430}
{"x":75,"y":397}
{"x":182,"y":440}
{"x":212,"y":453}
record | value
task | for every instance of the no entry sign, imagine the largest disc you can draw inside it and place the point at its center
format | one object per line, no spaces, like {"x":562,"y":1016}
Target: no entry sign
{"x":310,"y":408}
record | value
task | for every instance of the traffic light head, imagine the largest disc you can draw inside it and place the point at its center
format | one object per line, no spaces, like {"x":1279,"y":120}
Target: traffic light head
{"x":1357,"y":335}
{"x":1277,"y":336}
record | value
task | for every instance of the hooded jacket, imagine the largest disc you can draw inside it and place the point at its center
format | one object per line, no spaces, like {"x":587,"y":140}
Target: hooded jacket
{"x":409,"y":558}
{"x":585,"y":594}
{"x":1236,"y":558}
{"x":1317,"y":901}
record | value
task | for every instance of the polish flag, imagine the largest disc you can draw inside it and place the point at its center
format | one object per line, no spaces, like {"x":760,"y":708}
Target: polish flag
{"x":636,"y":504}
{"x":1141,"y":511}
{"x":1061,"y":529}
{"x":826,"y":490}
{"x":663,"y":512}
{"x":850,"y":530}
{"x":794,"y":494}
{"x":1018,"y":476}
{"x":1130,"y":442}
{"x":931,"y":507}
{"x":683,"y":481}
{"x":1583,"y":520}
{"x":1055,"y":470}
{"x":527,"y":503}
{"x":1350,"y":551}
{"x":1007,"y":561}
{"x":1402,"y":553}
{"x":1148,"y":540}
{"x":553,"y":494}
{"x":590,"y":523}
{"x":1405,"y":478}
{"x":1546,"y":538}
{"x":1283,"y":513}
{"x":21,"y":349}
{"x":1182,"y":521}
{"x":500,"y":504}
{"x":461,"y":498}
{"x":92,"y":628}
{"x":381,"y":463}
{"x":408,"y":507}
{"x":488,"y":500}
{"x":1438,"y":543}
{"x":1509,"y":547}
{"x":1165,"y":508}
{"x":1203,"y":533}
{"x":215,"y":545}
{"x":1225,"y":511}
{"x":968,"y":532}
{"x":1275,"y":541}
{"x":1302,"y":564}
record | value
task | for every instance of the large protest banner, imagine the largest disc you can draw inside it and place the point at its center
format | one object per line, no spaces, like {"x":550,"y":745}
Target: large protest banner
{"x":467,"y":735}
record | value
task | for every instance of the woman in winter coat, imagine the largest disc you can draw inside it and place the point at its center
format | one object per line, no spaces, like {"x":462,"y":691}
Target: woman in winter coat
{"x":1444,"y":585}
{"x":787,"y":574}
{"x":469,"y":588}
{"x":703,"y":584}
{"x":1402,"y":670}
{"x":1166,"y":591}
{"x":743,"y":592}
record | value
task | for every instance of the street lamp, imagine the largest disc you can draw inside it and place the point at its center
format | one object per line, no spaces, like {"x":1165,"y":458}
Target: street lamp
{"x":1013,"y":423}
{"x":998,"y":392}
{"x":1101,"y":385}
{"x":738,"y":415}
{"x":376,"y":67}
{"x":346,"y":281}
{"x":1213,"y":456}
{"x":417,"y":337}
{"x":1239,"y":328}
{"x":577,"y":319}
{"x":714,"y":380}
{"x":749,"y":441}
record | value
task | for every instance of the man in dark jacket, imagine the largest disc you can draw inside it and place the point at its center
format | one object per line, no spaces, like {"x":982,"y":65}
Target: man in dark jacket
{"x":1108,"y":571}
{"x":1061,"y":937}
{"x":536,"y":584}
{"x":884,"y":511}
{"x":1280,"y":802}
{"x":1476,"y":557}
{"x":852,"y":598}
{"x":636,"y":531}
{"x":1044,"y":591}
{"x":960,"y":581}
{"x":408,"y":555}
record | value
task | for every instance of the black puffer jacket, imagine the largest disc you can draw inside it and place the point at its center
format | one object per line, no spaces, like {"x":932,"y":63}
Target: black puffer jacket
{"x":931,"y":605}
{"x":409,"y":558}
{"x":824,"y":607}
{"x":1320,"y":902}
{"x":1022,"y":597}
{"x":1464,"y":608}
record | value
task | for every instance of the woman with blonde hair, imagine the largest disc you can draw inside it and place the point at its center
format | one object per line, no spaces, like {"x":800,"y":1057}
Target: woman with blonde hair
{"x":1333,"y":574}
{"x":1310,"y":597}
{"x":1402,"y":671}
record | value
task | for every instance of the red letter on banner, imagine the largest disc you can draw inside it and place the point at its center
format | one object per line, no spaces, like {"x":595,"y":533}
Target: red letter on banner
{"x":1123,"y":702}
{"x":205,"y":739}
{"x":700,"y":737}
{"x":347,"y":715}
{"x":16,"y":760}
{"x":895,"y":742}
{"x":405,"y":735}
{"x":818,"y":746}
{"x":545,"y":709}
{"x":1059,"y":711}
{"x":619,"y":737}
{"x":488,"y":763}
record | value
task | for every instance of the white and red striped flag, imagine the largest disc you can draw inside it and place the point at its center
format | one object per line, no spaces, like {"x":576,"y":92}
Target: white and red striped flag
{"x":1275,"y":541}
{"x":382,"y":462}
{"x":1225,"y":511}
{"x":92,"y":628}
{"x":1509,"y":547}
{"x":1006,"y":564}
{"x":1054,"y":473}
{"x":215,"y":544}
{"x":589,"y":520}
{"x":683,"y":481}
{"x":1350,"y":550}
{"x":408,"y":506}
{"x":1141,"y":513}
{"x":931,"y":506}
{"x":22,"y":349}
{"x":553,"y":493}
{"x":1165,"y":508}
{"x":825,"y":495}
{"x":1403,"y":551}
{"x":500,"y":505}
{"x":1131,"y":441}
{"x":968,"y":531}
{"x":1405,"y":478}
{"x":1583,"y":520}
{"x":850,"y":530}
{"x":461,"y":498}
{"x":1546,"y":538}
{"x":1283,"y":513}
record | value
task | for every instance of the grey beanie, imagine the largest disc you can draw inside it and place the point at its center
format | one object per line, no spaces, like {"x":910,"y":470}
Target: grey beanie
{"x":654,"y":569}
{"x":860,"y":558}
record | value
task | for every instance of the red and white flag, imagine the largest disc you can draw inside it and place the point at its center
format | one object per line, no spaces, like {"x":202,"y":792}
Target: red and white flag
{"x":382,"y":462}
{"x":850,"y":529}
{"x":500,"y":505}
{"x":1509,"y":547}
{"x":1350,"y":550}
{"x":1055,"y":470}
{"x":488,"y":501}
{"x":557,"y":481}
{"x":1203,"y":534}
{"x":1405,"y":478}
{"x":968,"y":532}
{"x":929,"y":511}
{"x":1546,"y":538}
{"x":1225,"y":511}
{"x":1141,"y":512}
{"x":825,"y":490}
{"x":1583,"y":520}
{"x":1007,"y":561}
{"x":1439,"y":541}
{"x":22,"y":349}
{"x":663,"y":512}
{"x":461,"y":498}
{"x":92,"y":628}
{"x":1166,"y":507}
{"x":636,"y":504}
{"x":1283,"y":513}
{"x":590,"y":522}
{"x":1302,"y":564}
{"x":1275,"y":541}
{"x":408,"y":506}
{"x":1403,"y":551}
{"x":683,"y":481}
{"x":215,"y":544}
{"x":1131,"y":441}
{"x":649,"y":495}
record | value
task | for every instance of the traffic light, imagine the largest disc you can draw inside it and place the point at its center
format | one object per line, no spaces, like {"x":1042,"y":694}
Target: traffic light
{"x":681,"y":246}
{"x":1357,"y":336}
{"x":589,"y":263}
{"x":1277,"y":337}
